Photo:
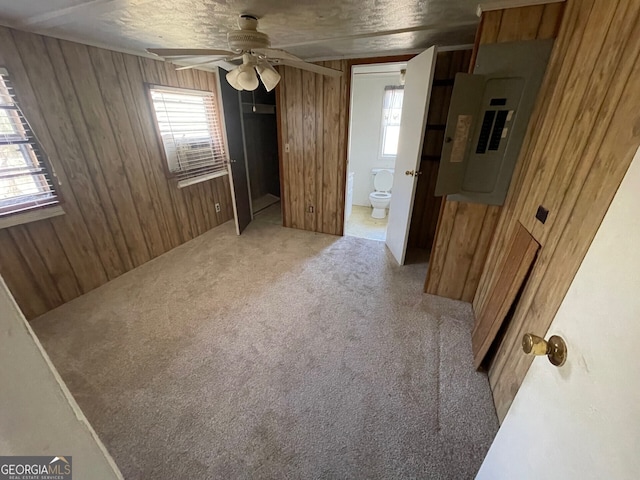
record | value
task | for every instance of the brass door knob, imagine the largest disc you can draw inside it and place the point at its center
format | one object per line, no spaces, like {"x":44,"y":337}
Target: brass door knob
{"x":555,"y":348}
{"x":409,"y":172}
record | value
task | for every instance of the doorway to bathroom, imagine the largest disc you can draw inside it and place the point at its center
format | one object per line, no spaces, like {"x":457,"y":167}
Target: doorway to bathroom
{"x":377,"y":92}
{"x":365,"y":158}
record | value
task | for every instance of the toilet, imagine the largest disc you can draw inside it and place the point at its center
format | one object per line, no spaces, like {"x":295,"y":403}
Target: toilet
{"x":381,"y":198}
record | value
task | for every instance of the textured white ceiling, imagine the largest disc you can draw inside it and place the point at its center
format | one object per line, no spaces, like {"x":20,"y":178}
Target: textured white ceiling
{"x":309,"y":29}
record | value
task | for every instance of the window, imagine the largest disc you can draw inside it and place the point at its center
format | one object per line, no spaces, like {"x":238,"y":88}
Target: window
{"x":26,"y":183}
{"x":189,"y":125}
{"x":391,"y":113}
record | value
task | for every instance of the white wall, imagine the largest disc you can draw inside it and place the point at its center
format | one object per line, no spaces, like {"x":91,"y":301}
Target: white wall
{"x":38,"y":416}
{"x":366,"y":122}
{"x":582,"y":420}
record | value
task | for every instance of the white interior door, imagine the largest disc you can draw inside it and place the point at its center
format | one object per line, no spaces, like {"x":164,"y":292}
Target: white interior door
{"x":582,"y":420}
{"x":415,"y":105}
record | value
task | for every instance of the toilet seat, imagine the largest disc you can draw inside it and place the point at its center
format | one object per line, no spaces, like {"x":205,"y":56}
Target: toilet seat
{"x":383,"y":181}
{"x":380,"y":195}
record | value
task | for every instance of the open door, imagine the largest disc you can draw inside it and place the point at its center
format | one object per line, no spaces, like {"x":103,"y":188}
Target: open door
{"x":232,"y":108}
{"x":582,"y":420}
{"x":417,"y":93}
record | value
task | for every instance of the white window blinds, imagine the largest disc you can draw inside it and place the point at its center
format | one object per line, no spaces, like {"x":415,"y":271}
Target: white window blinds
{"x":25,"y":180}
{"x":189,"y":125}
{"x":391,"y":115}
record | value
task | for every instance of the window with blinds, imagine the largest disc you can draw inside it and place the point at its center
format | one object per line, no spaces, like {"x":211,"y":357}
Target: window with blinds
{"x":391,"y":114}
{"x":188,"y":123}
{"x":26,"y":183}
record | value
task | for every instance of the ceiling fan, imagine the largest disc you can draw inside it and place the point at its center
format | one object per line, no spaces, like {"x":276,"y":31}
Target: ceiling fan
{"x":253,"y":47}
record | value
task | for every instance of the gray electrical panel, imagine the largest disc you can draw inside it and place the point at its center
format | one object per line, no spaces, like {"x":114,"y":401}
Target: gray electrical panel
{"x":488,"y":119}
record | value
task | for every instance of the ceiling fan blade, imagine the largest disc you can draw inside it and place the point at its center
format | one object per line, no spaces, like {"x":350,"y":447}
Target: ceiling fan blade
{"x":226,"y":65}
{"x":276,"y":53}
{"x":190,"y":52}
{"x":221,"y":62}
{"x":312,"y":67}
{"x":199,"y":64}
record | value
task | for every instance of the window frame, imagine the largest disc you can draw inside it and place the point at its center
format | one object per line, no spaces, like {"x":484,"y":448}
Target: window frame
{"x":181,"y":183}
{"x":383,"y":127}
{"x":34,"y":210}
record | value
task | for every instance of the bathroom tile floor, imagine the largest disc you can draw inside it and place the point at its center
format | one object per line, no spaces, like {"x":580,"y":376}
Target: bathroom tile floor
{"x":361,"y":224}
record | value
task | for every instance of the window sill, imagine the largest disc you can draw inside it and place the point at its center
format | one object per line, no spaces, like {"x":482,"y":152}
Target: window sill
{"x":31,"y":216}
{"x":202,"y":178}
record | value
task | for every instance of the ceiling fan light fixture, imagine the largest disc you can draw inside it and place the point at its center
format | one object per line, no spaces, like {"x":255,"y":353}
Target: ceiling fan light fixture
{"x":232,"y":78}
{"x":247,"y":77}
{"x":269,"y":75}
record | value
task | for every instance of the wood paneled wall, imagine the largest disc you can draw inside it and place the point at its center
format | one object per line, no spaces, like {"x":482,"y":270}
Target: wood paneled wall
{"x":465,"y":230}
{"x":313,"y":113}
{"x":426,"y":206}
{"x":582,"y":139}
{"x":90,"y":110}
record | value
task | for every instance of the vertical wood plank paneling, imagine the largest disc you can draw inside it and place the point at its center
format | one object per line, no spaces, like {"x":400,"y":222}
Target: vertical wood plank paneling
{"x":456,"y":264}
{"x":331,"y":109}
{"x":90,"y":110}
{"x":297,"y":147}
{"x":583,"y":169}
{"x":283,"y":139}
{"x":291,"y":155}
{"x":341,"y":167}
{"x":47,"y":244}
{"x":108,"y":230}
{"x":102,"y":136}
{"x":464,"y":238}
{"x":319,"y":173}
{"x":309,"y":149}
{"x":592,"y":112}
{"x":20,"y":280}
{"x":313,"y":123}
{"x":572,"y":21}
{"x":550,"y":22}
{"x":472,"y":280}
{"x":120,"y":124}
{"x":141,"y":146}
{"x":148,"y":144}
{"x":521,"y":23}
{"x":491,"y":23}
{"x":36,"y":265}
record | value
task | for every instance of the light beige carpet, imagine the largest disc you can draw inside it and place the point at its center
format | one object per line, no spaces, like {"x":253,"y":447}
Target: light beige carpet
{"x":277,"y":354}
